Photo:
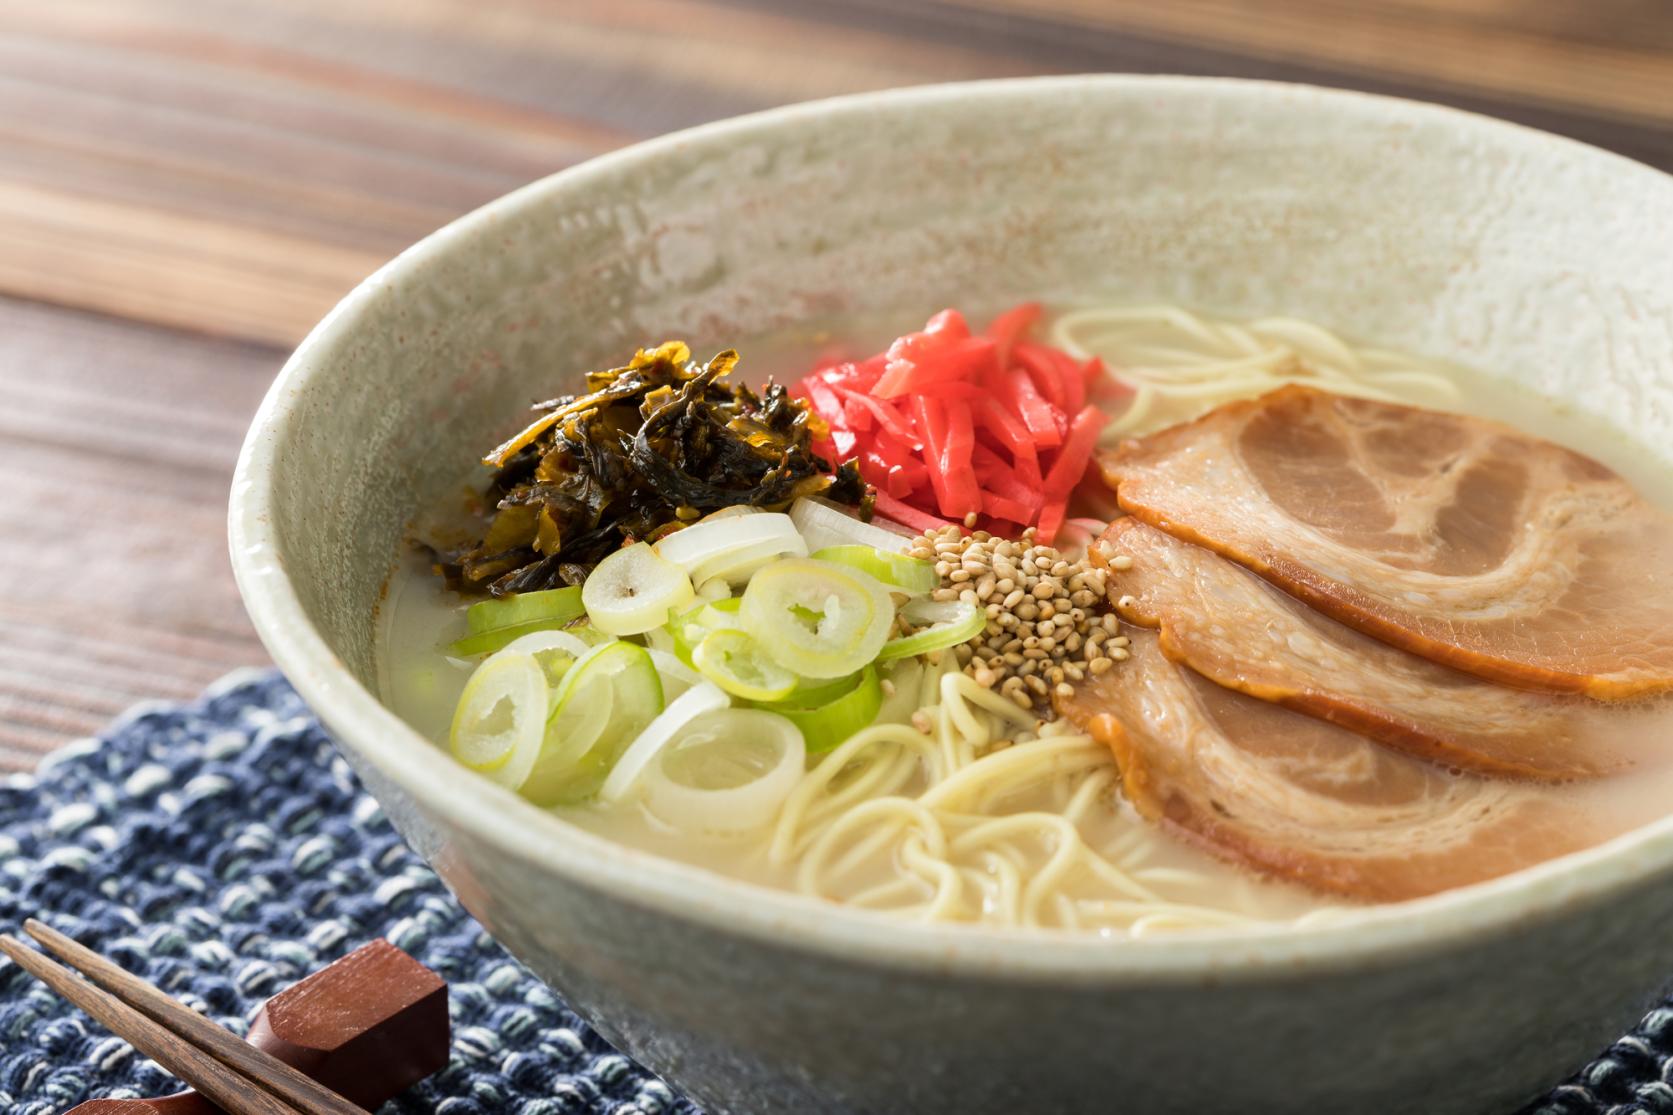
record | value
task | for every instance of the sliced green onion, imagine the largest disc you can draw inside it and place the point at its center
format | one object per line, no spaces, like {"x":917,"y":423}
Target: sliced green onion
{"x":729,"y":772}
{"x":554,"y":650}
{"x":501,"y":715}
{"x":713,"y":589}
{"x":726,"y":607}
{"x":812,"y":693}
{"x":583,"y":743}
{"x":660,"y":638}
{"x":739,"y":566}
{"x":736,"y":663}
{"x":690,"y":628}
{"x":729,"y":513}
{"x":580,"y":718}
{"x":952,"y":622}
{"x":824,"y":524}
{"x":705,"y":549}
{"x":496,"y":624}
{"x":676,"y":676}
{"x":631,"y":591}
{"x":554,"y":607}
{"x":567,"y":642}
{"x":815,"y":618}
{"x":909,"y":574}
{"x":827,"y":723}
{"x":626,"y":771}
{"x":589,"y":634}
{"x":487,"y":642}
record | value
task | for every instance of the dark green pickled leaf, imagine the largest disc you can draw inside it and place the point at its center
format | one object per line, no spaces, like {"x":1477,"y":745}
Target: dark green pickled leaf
{"x":648,"y":446}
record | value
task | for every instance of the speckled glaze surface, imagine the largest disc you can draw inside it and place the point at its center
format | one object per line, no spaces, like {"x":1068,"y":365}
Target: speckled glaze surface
{"x":1409,"y":225}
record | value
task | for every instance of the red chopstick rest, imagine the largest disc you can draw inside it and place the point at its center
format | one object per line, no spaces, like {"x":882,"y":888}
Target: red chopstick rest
{"x":368,"y":1026}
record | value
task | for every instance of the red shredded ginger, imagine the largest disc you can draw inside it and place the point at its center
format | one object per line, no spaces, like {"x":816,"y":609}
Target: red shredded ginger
{"x":947,"y":423}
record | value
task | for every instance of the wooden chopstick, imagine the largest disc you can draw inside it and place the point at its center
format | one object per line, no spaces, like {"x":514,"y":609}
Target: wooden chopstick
{"x":235,"y":1075}
{"x":223,"y":1045}
{"x":217,"y":1082}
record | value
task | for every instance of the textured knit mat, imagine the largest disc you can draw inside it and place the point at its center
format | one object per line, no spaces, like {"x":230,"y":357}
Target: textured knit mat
{"x":223,"y":850}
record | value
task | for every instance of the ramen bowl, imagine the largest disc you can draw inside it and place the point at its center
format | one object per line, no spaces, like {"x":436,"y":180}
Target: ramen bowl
{"x":1443,"y":233}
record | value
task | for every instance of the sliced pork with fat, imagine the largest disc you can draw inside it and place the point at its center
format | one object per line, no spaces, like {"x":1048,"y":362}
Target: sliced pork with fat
{"x":1307,"y":800}
{"x":1452,"y":537}
{"x":1239,"y":631}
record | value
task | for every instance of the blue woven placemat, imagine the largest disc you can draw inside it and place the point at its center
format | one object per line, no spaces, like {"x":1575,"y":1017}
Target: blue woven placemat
{"x":222,"y":850}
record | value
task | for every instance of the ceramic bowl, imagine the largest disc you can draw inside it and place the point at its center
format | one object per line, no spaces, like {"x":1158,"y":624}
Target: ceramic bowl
{"x":1444,"y":233}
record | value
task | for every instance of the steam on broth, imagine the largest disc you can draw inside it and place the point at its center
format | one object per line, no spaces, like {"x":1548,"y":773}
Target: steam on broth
{"x":941,"y":784}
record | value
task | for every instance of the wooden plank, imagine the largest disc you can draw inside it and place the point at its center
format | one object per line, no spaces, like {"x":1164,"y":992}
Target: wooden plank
{"x":234,"y":168}
{"x":261,"y":161}
{"x":137,"y":262}
{"x":1049,"y":39}
{"x":248,"y":140}
{"x":1611,"y":56}
{"x":117,"y":443}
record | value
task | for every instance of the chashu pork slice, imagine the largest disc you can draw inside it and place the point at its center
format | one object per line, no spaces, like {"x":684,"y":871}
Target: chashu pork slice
{"x":1239,"y":631}
{"x":1452,"y":537}
{"x":1306,"y":800}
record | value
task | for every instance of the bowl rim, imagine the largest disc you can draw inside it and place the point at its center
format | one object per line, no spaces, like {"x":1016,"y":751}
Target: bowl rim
{"x":501,"y":820}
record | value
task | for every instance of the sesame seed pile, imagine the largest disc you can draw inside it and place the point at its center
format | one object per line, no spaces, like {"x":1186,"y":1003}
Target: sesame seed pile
{"x":1050,"y":624}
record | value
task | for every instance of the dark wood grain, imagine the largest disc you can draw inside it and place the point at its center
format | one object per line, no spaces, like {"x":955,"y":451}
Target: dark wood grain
{"x":116,"y":447}
{"x":187,"y":185}
{"x":1075,"y":36}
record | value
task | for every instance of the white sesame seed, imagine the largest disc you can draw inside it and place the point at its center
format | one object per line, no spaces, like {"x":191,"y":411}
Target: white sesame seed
{"x":1047,"y":616}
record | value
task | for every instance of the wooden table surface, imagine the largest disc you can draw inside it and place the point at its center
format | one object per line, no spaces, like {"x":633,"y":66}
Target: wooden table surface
{"x":187,"y":185}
